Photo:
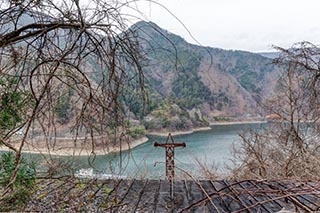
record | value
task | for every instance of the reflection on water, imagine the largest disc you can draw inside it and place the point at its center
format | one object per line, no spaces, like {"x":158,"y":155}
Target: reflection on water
{"x":146,"y":161}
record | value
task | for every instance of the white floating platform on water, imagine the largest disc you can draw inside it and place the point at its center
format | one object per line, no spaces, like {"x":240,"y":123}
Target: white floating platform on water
{"x":89,"y":174}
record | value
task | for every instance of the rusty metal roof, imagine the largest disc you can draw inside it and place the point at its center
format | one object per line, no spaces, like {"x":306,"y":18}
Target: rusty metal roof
{"x":188,"y":196}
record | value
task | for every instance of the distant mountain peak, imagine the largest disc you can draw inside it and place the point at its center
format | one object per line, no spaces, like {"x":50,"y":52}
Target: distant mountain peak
{"x":150,"y":30}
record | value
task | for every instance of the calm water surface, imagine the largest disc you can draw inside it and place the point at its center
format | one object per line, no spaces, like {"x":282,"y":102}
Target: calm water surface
{"x":210,"y":147}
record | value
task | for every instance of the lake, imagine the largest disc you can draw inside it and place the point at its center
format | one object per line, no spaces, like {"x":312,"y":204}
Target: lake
{"x":210,"y":147}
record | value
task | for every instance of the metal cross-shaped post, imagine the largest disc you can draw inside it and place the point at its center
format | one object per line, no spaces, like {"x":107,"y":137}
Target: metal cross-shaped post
{"x":170,"y":155}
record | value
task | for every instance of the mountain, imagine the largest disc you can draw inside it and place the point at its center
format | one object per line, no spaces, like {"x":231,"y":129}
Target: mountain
{"x":210,"y":82}
{"x":188,"y":85}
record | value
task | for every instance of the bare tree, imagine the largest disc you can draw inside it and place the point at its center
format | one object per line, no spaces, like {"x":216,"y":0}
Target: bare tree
{"x":64,"y":67}
{"x":287,"y":147}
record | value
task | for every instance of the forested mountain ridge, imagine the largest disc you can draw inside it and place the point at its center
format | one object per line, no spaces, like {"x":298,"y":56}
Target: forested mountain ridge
{"x":214,"y":83}
{"x":187,"y":85}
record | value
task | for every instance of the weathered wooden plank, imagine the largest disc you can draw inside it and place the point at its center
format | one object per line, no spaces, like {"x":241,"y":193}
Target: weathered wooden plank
{"x":219,"y":196}
{"x":119,"y":196}
{"x":106,"y":194}
{"x":196,"y":195}
{"x":302,"y":199}
{"x":149,"y":197}
{"x":226,"y":202}
{"x":283,"y":196}
{"x":214,"y":204}
{"x":237,"y":197}
{"x":133,"y":196}
{"x":165,"y":202}
{"x":262,"y":193}
{"x":258,"y":198}
{"x":180,"y":196}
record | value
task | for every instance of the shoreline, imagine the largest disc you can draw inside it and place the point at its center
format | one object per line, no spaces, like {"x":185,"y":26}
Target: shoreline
{"x":175,"y":133}
{"x":219,"y":123}
{"x":87,"y":151}
{"x":84,"y":151}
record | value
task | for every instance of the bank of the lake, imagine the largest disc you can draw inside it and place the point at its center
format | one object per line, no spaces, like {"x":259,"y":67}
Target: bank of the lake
{"x":87,"y":151}
{"x":31,"y":148}
{"x":238,"y":122}
{"x":175,"y":133}
{"x":212,"y":124}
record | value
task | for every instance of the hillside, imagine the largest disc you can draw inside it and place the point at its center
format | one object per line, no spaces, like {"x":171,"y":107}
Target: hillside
{"x":194,"y":83}
{"x":187,"y":85}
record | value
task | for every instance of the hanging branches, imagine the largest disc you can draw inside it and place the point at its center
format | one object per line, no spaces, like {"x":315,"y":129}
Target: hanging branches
{"x":289,"y":146}
{"x":70,"y":60}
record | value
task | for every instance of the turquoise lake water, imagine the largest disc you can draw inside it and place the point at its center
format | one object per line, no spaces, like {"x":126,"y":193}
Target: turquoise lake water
{"x":210,"y":147}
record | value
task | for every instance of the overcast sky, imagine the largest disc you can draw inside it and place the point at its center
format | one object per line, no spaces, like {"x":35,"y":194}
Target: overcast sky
{"x":253,"y":25}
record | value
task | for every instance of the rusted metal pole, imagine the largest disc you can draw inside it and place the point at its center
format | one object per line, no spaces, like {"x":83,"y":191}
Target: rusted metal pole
{"x":169,"y":146}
